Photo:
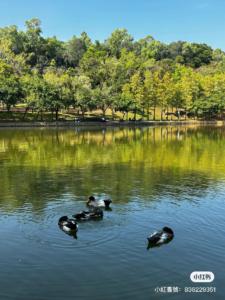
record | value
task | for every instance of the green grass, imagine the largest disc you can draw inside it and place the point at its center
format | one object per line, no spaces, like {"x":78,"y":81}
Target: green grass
{"x":30,"y":116}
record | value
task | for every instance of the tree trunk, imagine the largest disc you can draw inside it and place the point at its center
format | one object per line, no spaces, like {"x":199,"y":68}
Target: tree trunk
{"x":56,"y":114}
{"x":41,"y":115}
{"x":178,"y":114}
{"x":113,"y":113}
{"x":161,"y":117}
{"x":171,"y":116}
{"x":26,"y":110}
{"x":103,"y":112}
{"x":154,"y":113}
{"x":148,"y":112}
{"x":83,"y":113}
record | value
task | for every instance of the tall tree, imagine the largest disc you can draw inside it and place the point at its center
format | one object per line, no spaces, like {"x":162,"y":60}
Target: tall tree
{"x":59,"y":85}
{"x":119,"y":39}
{"x":75,"y":49}
{"x":10,"y":89}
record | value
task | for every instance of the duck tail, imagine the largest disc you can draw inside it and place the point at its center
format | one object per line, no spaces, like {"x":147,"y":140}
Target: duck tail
{"x":107,"y":203}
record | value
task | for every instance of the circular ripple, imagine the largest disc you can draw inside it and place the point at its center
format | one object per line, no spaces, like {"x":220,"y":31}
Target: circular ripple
{"x":42,"y":228}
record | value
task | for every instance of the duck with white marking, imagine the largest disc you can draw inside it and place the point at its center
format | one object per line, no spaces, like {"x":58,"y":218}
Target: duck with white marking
{"x":68,"y":225}
{"x":94,"y":214}
{"x":92,"y":202}
{"x":161,"y":237}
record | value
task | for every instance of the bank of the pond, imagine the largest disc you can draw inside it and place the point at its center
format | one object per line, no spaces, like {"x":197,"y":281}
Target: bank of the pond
{"x":108,"y":123}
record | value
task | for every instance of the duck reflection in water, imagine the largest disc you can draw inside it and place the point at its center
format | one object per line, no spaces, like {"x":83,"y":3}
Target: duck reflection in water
{"x":159,"y":238}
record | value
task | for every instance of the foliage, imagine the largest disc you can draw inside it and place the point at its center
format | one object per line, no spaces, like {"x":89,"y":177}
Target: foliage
{"x":120,"y":74}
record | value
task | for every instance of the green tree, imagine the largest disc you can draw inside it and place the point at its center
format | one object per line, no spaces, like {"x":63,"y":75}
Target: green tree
{"x":119,"y":39}
{"x":83,"y":93}
{"x":10,"y":88}
{"x":75,"y":49}
{"x":134,"y":93}
{"x":59,"y":90}
{"x":35,"y":44}
{"x":150,"y":95}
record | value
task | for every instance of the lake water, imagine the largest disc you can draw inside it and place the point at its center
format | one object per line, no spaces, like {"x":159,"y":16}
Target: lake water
{"x":154,"y":176}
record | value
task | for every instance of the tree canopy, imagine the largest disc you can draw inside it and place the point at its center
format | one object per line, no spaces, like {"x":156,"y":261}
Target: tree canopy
{"x":120,"y":73}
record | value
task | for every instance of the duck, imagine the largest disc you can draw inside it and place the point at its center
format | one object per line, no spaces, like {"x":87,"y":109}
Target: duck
{"x":92,"y":202}
{"x":94,"y":214}
{"x":67,"y":224}
{"x":158,"y":238}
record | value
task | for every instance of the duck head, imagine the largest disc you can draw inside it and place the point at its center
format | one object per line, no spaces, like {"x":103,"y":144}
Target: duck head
{"x":91,"y":199}
{"x":168,"y":230}
{"x":62,"y":219}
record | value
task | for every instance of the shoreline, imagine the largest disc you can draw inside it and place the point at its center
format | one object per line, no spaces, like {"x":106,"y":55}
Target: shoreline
{"x":18,"y":124}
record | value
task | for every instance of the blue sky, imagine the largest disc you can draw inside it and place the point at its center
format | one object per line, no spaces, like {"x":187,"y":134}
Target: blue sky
{"x":165,"y":20}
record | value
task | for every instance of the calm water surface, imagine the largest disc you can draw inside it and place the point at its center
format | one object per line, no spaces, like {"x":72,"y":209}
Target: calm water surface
{"x":155,"y":177}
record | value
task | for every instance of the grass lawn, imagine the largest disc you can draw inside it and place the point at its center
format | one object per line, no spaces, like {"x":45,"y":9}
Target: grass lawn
{"x":17,"y":114}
